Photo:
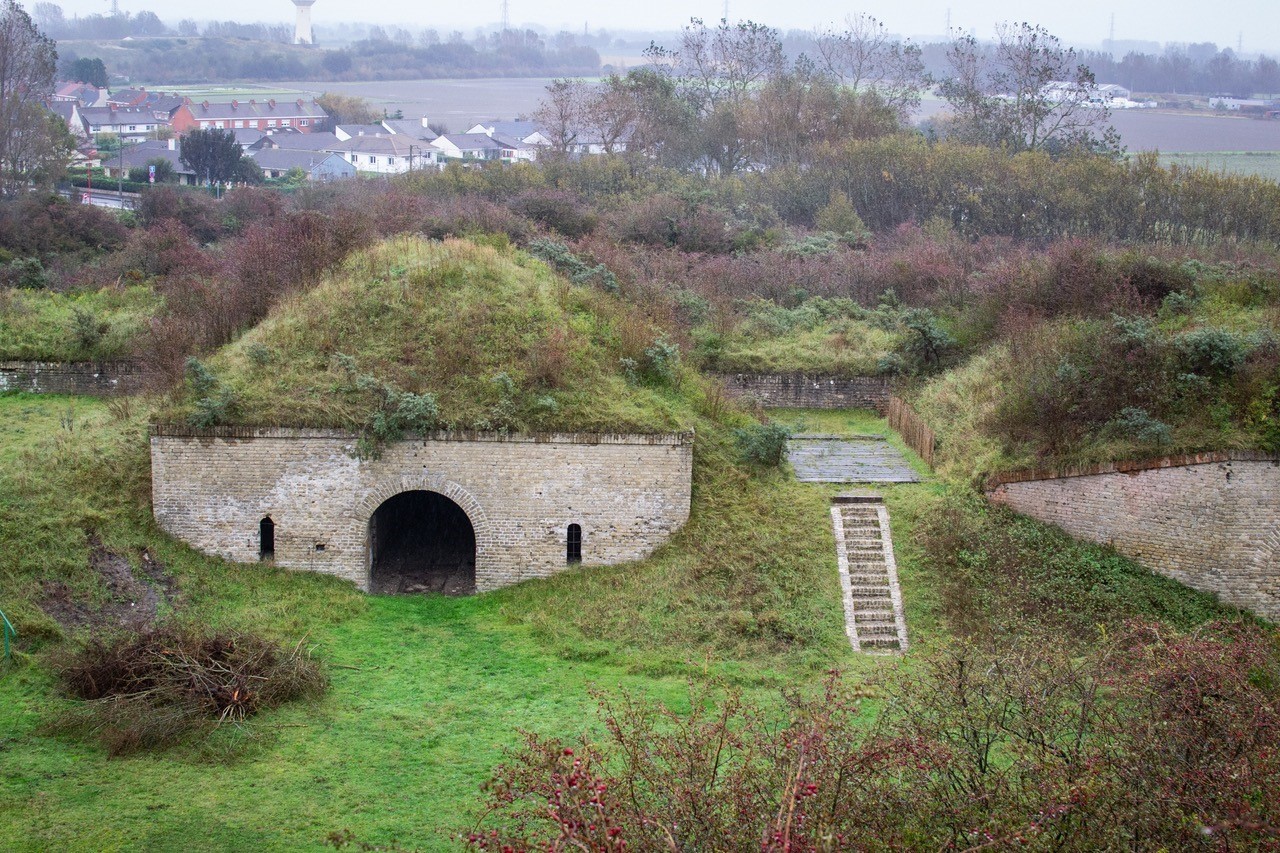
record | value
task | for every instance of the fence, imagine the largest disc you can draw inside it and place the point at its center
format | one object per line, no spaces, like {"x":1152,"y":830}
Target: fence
{"x":912,"y":428}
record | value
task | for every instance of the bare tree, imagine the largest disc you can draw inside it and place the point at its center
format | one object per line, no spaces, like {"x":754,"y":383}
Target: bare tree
{"x":864,"y":56}
{"x":1026,"y":93}
{"x":560,"y":114}
{"x":28,"y":61}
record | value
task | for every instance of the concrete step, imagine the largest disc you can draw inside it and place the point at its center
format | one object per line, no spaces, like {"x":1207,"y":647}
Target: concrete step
{"x":872,"y":604}
{"x":871,"y":617}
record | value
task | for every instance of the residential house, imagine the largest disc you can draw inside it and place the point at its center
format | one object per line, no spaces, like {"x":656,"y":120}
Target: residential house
{"x":81,"y":93}
{"x":140,"y":155}
{"x":410,"y":128}
{"x":320,"y":166}
{"x":387,"y":155}
{"x":349,"y":131}
{"x":528,"y":132}
{"x":129,"y":123}
{"x":319,"y":140}
{"x":472,"y":147}
{"x":69,"y":111}
{"x":267,"y":116}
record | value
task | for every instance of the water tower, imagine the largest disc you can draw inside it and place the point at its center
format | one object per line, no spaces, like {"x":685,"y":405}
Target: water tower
{"x":302,"y":29}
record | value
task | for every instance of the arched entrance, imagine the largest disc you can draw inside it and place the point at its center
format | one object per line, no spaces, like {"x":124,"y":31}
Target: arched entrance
{"x":421,"y":541}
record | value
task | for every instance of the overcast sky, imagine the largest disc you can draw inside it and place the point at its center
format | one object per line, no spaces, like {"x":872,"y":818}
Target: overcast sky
{"x":1083,"y":22}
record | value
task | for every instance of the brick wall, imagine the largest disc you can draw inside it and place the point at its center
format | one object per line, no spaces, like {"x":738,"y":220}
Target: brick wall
{"x":1210,"y":521}
{"x":71,"y":377}
{"x":799,"y":391}
{"x":629,"y":493}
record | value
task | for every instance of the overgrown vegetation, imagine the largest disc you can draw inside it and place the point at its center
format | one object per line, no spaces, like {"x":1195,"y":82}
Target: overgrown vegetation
{"x":1150,"y":741}
{"x":155,"y":687}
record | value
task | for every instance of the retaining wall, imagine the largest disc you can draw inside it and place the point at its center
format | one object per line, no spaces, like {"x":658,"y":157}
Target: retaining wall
{"x":800,"y":391}
{"x":1210,"y":521}
{"x":94,"y":378}
{"x":629,"y":493}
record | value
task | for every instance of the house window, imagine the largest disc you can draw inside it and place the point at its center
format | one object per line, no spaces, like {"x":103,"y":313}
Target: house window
{"x":304,"y":122}
{"x":266,"y":539}
{"x":204,"y":124}
{"x":373,"y":161}
{"x":218,"y":125}
{"x":390,"y":161}
{"x":574,"y":541}
{"x":271,"y":122}
{"x":239,"y":124}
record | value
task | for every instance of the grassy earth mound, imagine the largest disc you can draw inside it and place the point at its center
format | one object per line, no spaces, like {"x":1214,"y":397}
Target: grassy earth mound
{"x":453,"y":335}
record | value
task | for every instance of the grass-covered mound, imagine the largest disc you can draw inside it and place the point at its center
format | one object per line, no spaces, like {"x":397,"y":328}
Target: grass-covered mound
{"x":415,"y":334}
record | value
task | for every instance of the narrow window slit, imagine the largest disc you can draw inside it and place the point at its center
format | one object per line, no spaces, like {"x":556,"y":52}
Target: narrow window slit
{"x":574,"y":540}
{"x":266,"y":539}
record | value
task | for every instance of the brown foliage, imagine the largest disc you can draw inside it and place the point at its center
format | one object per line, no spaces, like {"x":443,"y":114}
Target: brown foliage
{"x":153,"y":687}
{"x":1152,"y":742}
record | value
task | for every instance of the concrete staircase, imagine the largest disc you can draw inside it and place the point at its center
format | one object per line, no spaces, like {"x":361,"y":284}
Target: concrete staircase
{"x":873,"y":613}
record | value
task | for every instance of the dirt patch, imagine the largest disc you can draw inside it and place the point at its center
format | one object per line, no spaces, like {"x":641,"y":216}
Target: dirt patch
{"x":132,"y":602}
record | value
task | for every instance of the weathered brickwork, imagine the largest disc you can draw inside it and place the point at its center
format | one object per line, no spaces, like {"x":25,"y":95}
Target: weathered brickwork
{"x":93,"y":378}
{"x":798,"y":391}
{"x":1210,"y":521}
{"x":629,"y":493}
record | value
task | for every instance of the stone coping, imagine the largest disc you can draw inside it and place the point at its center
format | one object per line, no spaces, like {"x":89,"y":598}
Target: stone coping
{"x":678,"y":439}
{"x":1133,"y":466}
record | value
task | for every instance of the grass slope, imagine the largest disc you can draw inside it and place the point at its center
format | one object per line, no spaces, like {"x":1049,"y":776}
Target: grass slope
{"x":500,"y":341}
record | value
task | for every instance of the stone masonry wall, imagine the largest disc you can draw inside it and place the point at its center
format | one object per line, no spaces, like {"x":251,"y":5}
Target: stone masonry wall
{"x":629,"y":493}
{"x":798,"y":391}
{"x":71,"y":377}
{"x":1210,"y":521}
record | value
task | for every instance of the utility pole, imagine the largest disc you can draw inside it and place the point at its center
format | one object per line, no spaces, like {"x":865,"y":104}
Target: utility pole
{"x":948,"y":22}
{"x":1111,"y":40}
{"x":506,"y":15}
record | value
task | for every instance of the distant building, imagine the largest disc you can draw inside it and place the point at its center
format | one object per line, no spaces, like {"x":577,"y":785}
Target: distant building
{"x":410,"y":128}
{"x":140,"y":155}
{"x":80,"y":93}
{"x":267,"y":116}
{"x":320,"y":166}
{"x":128,"y":123}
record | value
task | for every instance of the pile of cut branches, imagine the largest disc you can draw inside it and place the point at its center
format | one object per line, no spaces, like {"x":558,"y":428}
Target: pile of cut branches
{"x":150,"y":688}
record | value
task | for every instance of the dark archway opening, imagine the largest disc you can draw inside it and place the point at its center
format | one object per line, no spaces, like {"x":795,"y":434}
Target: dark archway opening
{"x":422,"y":542}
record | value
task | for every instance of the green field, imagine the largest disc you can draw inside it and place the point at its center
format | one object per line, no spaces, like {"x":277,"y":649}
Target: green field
{"x":1263,"y":164}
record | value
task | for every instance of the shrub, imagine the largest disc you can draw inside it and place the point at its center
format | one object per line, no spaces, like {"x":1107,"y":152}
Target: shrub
{"x":840,"y":217}
{"x":1155,"y":741}
{"x":662,"y":362}
{"x":762,"y":444}
{"x":149,"y":689}
{"x":1138,"y":425}
{"x":212,"y":403}
{"x":26,"y":273}
{"x":556,"y":209}
{"x":1211,"y":352}
{"x":87,"y":330}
